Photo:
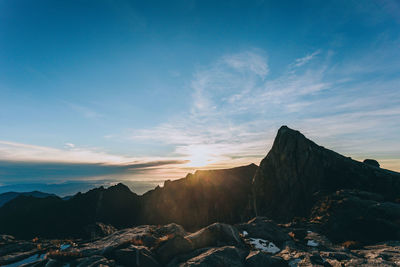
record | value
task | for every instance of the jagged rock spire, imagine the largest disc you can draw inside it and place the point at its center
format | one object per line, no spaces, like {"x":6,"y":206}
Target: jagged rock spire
{"x":296,"y":170}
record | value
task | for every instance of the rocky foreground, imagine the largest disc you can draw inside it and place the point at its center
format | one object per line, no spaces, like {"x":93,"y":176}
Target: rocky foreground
{"x":259,"y":242}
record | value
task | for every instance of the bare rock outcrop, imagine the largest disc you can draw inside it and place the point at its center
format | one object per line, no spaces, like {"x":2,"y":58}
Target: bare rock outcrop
{"x":297,"y":172}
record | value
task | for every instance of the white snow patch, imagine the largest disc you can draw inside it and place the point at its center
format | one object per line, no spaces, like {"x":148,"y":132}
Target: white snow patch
{"x":312,"y":243}
{"x":245,"y":233}
{"x":264,"y":245}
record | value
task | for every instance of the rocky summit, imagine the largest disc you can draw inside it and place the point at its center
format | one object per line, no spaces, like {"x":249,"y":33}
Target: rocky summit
{"x":347,"y":198}
{"x":305,"y":205}
{"x":258,"y":242}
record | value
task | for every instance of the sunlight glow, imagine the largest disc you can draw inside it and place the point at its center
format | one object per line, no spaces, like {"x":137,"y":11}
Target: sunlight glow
{"x":199,"y":156}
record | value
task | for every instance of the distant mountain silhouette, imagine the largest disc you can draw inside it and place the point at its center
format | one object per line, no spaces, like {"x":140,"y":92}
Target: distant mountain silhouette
{"x":344,"y":198}
{"x":8,"y":196}
{"x":27,"y":216}
{"x":194,"y":201}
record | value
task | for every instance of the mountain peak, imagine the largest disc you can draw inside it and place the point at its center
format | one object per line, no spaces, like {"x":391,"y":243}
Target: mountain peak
{"x":120,"y":186}
{"x":284,"y":128}
{"x":296,"y":168}
{"x":287,"y":136}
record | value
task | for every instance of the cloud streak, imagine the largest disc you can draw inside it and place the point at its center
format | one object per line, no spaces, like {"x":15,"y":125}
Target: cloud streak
{"x":28,"y":163}
{"x":12,"y":171}
{"x":304,"y":60}
{"x":24,"y":152}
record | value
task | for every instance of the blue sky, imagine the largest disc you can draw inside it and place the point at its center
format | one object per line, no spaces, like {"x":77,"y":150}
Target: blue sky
{"x":137,"y":90}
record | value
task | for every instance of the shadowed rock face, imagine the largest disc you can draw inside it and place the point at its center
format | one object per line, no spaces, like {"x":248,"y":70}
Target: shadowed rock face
{"x":372,"y":162}
{"x":296,"y":172}
{"x":357,"y":215}
{"x":202,"y":198}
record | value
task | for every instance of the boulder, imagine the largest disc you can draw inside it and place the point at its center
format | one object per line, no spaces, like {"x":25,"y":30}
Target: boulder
{"x":179,"y":259}
{"x":135,"y":256}
{"x":169,"y":229}
{"x":214,"y":235}
{"x":260,"y":259}
{"x":94,"y":261}
{"x":298,"y":234}
{"x":264,"y":228}
{"x":39,"y":263}
{"x":370,"y":263}
{"x":98,"y":230}
{"x":356,"y":216}
{"x":339,"y":256}
{"x":217,"y":234}
{"x":120,"y":239}
{"x":317,"y":260}
{"x":227,"y":256}
{"x":54,"y":263}
{"x":173,"y":246}
{"x":17,"y":256}
{"x":6,"y":239}
{"x":372,"y":162}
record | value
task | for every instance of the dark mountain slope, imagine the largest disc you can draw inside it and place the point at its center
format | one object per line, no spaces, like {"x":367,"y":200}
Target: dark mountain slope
{"x":197,"y":200}
{"x":27,"y":216}
{"x":201,"y":198}
{"x":8,"y":196}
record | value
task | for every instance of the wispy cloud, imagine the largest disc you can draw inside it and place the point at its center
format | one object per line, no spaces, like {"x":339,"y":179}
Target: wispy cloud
{"x":237,"y":109}
{"x":17,"y":171}
{"x":71,"y":154}
{"x":25,"y":152}
{"x":21,"y":163}
{"x":304,"y":60}
{"x":248,"y":61}
{"x":69,"y":145}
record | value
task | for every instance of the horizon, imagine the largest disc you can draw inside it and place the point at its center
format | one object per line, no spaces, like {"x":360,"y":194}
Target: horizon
{"x":101,"y":92}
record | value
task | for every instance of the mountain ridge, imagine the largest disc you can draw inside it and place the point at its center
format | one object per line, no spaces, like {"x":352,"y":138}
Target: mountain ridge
{"x":8,"y":196}
{"x":297,"y":178}
{"x":117,"y":205}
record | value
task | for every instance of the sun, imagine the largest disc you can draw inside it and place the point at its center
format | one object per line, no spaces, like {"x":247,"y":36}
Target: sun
{"x":199,"y":157}
{"x":198,"y":161}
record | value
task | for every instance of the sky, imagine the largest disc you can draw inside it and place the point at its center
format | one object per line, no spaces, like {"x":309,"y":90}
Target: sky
{"x":102,"y":91}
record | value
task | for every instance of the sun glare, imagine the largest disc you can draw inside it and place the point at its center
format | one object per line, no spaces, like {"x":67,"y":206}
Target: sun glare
{"x":198,"y":161}
{"x":199,"y":157}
